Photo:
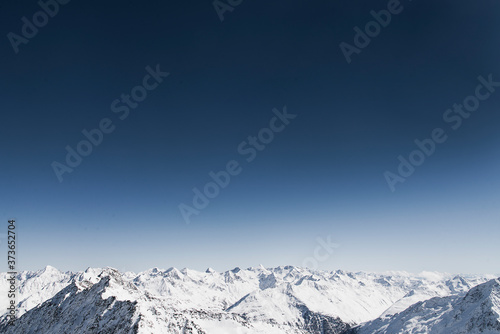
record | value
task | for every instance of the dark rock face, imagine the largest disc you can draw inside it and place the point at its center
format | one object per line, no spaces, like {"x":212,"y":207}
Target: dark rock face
{"x":78,"y":311}
{"x":315,"y":323}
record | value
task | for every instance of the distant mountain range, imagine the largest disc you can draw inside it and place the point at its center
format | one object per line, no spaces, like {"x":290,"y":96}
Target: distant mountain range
{"x":277,"y":300}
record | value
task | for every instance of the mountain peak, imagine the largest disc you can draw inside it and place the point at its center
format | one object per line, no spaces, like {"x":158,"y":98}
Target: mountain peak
{"x":488,"y":290}
{"x":50,"y":269}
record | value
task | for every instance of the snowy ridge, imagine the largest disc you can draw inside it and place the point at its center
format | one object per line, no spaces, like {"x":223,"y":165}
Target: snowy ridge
{"x":284,"y":299}
{"x":476,"y":312}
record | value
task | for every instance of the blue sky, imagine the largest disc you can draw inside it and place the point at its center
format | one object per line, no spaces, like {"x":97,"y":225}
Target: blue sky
{"x":321,"y":176}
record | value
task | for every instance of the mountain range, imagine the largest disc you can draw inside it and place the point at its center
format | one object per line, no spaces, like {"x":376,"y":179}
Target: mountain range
{"x":279,"y":300}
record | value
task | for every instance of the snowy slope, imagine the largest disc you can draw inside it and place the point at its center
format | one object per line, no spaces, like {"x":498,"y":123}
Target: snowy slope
{"x":476,"y":312}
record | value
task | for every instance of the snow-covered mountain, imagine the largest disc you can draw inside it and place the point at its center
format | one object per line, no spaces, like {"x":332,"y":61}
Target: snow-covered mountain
{"x":255,"y":300}
{"x":476,"y":312}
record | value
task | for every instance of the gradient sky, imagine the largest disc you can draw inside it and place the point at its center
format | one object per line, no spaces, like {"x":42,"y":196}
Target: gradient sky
{"x":322,"y":176}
